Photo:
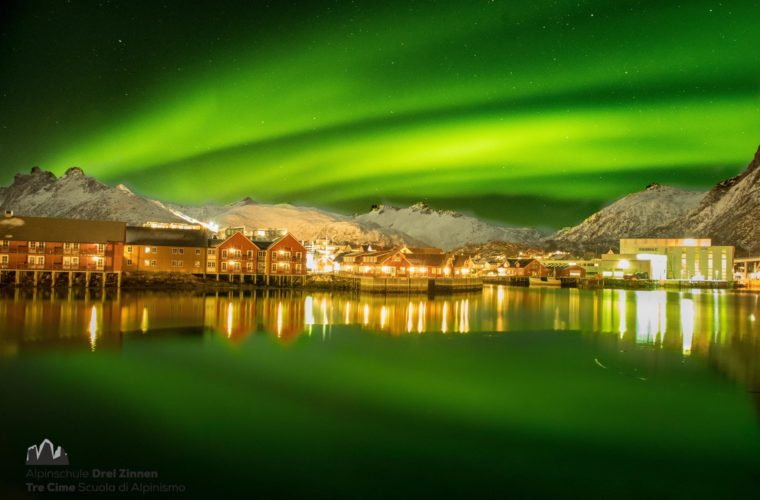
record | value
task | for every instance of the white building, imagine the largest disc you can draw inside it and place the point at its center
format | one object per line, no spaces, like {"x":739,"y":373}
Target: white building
{"x":670,"y":259}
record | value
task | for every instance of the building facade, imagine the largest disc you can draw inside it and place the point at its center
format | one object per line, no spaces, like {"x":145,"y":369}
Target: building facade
{"x":53,"y":244}
{"x":670,"y":259}
{"x":150,"y":249}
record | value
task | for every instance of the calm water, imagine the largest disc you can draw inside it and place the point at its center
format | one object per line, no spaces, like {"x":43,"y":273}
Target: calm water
{"x":537,"y":392}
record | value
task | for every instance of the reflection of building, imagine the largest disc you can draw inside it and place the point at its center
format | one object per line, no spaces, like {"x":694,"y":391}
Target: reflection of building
{"x":670,"y":259}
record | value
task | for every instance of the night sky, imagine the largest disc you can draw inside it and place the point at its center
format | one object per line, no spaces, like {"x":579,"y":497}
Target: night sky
{"x":525,"y":112}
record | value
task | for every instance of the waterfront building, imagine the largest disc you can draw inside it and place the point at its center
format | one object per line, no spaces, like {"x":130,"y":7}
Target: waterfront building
{"x":462,"y":265}
{"x":54,"y":244}
{"x":525,"y":267}
{"x":236,"y":254}
{"x":670,"y":259}
{"x":283,"y":256}
{"x":154,"y":248}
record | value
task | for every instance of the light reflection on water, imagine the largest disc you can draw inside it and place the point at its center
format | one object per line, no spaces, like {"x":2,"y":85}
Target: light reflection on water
{"x":692,"y":321}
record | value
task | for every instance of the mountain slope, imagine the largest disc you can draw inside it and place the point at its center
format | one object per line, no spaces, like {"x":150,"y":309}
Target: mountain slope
{"x":729,"y":213}
{"x":77,"y":196}
{"x":443,"y":228}
{"x":635,"y":215}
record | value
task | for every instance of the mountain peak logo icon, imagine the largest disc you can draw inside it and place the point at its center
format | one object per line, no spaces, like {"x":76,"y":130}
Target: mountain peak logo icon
{"x":46,"y":454}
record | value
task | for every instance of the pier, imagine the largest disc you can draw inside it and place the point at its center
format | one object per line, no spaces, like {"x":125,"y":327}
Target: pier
{"x":53,"y":278}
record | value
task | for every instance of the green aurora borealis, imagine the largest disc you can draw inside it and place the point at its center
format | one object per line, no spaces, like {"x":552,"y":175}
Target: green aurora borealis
{"x":529,"y":112}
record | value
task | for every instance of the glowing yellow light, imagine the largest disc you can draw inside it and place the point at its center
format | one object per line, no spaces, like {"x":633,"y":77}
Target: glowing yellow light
{"x":279,"y":319}
{"x":93,"y":327}
{"x":229,"y":319}
{"x":624,"y":264}
{"x":144,"y":320}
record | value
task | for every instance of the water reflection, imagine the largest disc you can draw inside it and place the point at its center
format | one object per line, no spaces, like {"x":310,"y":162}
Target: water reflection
{"x":688,"y":321}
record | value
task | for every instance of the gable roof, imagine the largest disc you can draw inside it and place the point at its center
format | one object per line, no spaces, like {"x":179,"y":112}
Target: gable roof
{"x":217,"y":242}
{"x":519,"y":262}
{"x":428,"y":260}
{"x":57,"y":230}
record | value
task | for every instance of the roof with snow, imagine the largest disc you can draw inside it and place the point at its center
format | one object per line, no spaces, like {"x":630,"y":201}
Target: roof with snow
{"x":57,"y":230}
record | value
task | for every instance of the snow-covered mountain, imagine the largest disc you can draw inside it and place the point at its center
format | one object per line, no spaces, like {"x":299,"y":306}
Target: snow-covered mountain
{"x":729,"y":213}
{"x":636,"y":215}
{"x":77,"y":196}
{"x":443,"y":228}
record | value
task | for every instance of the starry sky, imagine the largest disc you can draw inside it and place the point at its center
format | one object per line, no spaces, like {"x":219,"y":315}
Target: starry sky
{"x":524,"y":112}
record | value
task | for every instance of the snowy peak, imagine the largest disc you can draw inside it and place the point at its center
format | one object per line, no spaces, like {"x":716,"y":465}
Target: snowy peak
{"x":729,"y":212}
{"x":443,"y":228}
{"x":635,"y":215}
{"x":75,"y":195}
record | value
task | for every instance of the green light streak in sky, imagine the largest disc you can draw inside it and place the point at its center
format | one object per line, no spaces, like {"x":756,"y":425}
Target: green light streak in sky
{"x":429,"y":100}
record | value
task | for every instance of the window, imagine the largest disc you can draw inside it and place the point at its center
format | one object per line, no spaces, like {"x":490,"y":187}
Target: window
{"x":211,"y":251}
{"x":262,"y":254}
{"x":211,"y":264}
{"x":40,"y":261}
{"x":224,"y":254}
{"x":101,"y":248}
{"x":197,"y":251}
{"x":129,"y":262}
{"x":6,"y":243}
{"x":3,"y":259}
{"x":249,"y":266}
{"x":224,"y":266}
{"x":75,"y":261}
{"x":249,"y":254}
{"x":147,"y":249}
{"x":298,"y":255}
{"x":153,"y":263}
{"x":274,"y":268}
{"x":67,"y":246}
{"x":298,"y":268}
{"x":197,"y":263}
{"x":129,"y":249}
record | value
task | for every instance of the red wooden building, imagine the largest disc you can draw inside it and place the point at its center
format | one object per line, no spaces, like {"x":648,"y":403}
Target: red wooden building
{"x":52,"y":244}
